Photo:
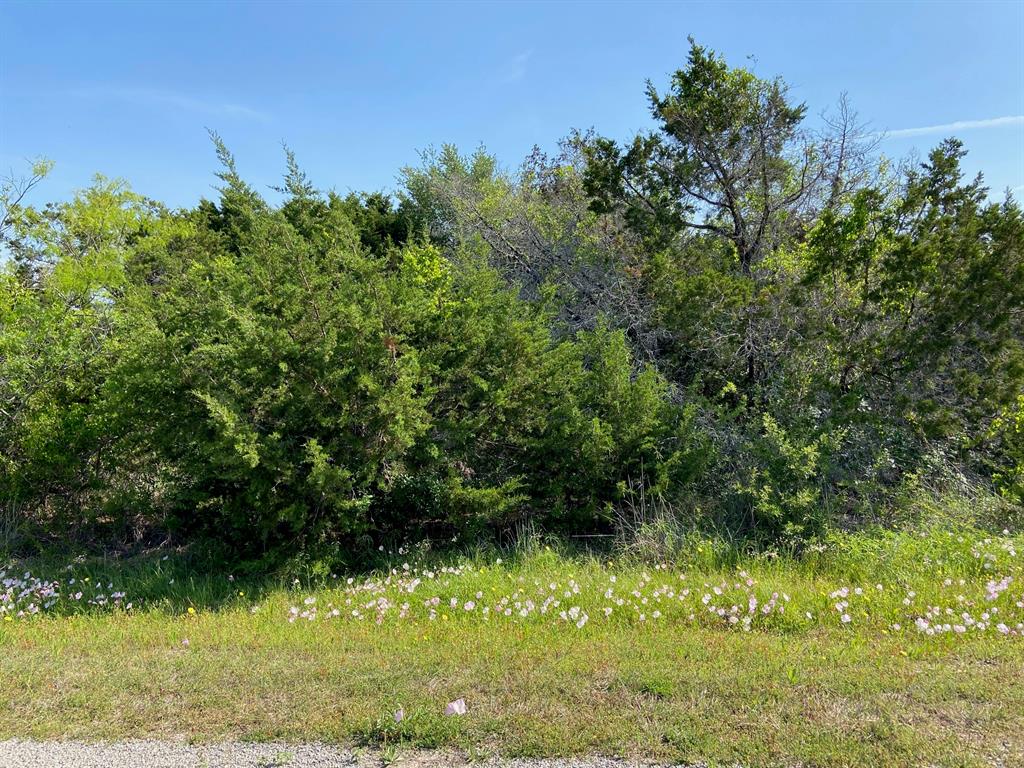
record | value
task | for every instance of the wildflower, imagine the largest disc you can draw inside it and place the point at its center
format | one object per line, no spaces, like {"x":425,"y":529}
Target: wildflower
{"x":457,"y":707}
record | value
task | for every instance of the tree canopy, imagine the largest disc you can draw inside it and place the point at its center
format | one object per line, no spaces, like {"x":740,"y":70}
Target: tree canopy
{"x":768,"y":328}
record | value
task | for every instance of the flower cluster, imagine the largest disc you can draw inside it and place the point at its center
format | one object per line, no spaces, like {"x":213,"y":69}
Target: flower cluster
{"x":23,"y":596}
{"x":737,"y":604}
{"x":992,"y":612}
{"x":665,"y":593}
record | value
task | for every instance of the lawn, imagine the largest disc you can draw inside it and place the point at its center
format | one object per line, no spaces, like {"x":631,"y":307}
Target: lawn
{"x":844,"y":656}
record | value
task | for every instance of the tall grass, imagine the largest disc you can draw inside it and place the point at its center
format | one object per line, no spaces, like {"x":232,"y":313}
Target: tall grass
{"x":11,"y":525}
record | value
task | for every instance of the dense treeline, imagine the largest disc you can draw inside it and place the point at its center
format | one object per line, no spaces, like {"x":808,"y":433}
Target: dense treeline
{"x":761,"y":326}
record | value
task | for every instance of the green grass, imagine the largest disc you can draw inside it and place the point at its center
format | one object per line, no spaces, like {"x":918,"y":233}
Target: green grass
{"x":792,"y":690}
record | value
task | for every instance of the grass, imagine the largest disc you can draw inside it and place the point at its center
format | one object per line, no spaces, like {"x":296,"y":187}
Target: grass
{"x":268,"y":660}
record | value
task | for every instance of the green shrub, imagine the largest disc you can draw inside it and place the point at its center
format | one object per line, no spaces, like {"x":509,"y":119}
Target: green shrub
{"x":298,"y":392}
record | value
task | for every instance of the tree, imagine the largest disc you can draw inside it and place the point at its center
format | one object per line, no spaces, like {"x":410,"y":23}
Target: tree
{"x":13,"y":192}
{"x":59,"y":331}
{"x":729,"y":159}
{"x":920,"y":288}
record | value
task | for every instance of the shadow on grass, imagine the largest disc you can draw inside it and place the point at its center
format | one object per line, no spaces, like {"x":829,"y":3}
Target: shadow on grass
{"x":176,"y":580}
{"x":172,"y":581}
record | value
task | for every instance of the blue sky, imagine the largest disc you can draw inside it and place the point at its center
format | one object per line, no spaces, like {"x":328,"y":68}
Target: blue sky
{"x":357,"y":90}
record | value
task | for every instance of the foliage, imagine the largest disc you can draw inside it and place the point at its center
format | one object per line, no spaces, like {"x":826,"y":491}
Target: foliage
{"x":764,"y":327}
{"x":261,"y":378}
{"x":1008,"y":431}
{"x":57,"y":340}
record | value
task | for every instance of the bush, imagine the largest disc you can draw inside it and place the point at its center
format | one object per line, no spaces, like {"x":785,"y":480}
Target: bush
{"x":768,"y":332}
{"x":298,"y":392}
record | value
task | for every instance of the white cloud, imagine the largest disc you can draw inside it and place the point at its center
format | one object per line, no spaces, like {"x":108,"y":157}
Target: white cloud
{"x":152,"y":97}
{"x":515,"y":68}
{"x":960,"y":125}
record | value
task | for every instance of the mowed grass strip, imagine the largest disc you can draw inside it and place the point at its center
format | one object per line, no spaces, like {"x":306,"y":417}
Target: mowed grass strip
{"x":823,"y":697}
{"x":873,"y":650}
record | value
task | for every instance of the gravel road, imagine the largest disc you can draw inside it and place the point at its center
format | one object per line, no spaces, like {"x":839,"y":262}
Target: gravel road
{"x":170,"y":754}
